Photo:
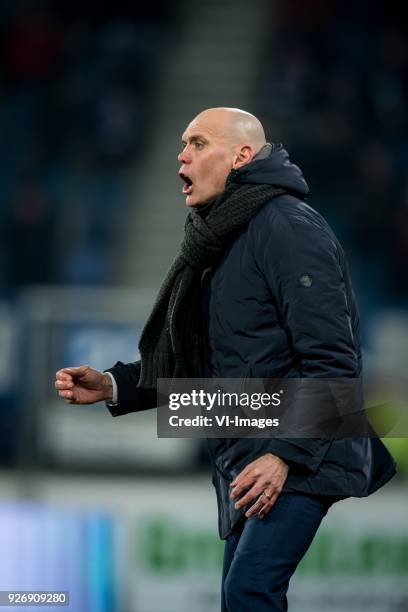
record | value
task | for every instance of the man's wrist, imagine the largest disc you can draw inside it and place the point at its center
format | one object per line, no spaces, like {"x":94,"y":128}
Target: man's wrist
{"x":277,"y":457}
{"x":112,"y":400}
{"x":107,"y":386}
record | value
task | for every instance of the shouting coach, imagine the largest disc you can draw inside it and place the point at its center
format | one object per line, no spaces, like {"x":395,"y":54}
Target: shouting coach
{"x":260,"y":288}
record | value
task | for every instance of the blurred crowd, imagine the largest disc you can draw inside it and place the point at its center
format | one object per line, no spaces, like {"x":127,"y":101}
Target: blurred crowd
{"x":76,"y":79}
{"x":334,"y":89}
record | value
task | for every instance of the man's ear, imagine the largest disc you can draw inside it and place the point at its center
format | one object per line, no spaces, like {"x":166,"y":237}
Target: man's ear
{"x":244,"y":156}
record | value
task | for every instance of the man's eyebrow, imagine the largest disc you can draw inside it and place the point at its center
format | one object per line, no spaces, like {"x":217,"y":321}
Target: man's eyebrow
{"x":195,"y":138}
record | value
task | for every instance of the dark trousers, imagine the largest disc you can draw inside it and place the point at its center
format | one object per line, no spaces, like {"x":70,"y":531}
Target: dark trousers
{"x":261,"y":554}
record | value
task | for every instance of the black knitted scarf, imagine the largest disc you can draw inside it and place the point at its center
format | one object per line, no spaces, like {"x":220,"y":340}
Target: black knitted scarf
{"x":171,"y":342}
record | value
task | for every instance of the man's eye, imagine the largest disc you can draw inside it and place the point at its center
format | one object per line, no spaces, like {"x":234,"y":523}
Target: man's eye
{"x":199,"y":145}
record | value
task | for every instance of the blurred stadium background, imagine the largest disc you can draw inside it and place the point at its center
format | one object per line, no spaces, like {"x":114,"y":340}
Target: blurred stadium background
{"x":93,"y":99}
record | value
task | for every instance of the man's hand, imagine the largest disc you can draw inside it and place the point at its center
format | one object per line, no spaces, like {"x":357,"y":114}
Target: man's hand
{"x":83,"y":385}
{"x":264,"y":478}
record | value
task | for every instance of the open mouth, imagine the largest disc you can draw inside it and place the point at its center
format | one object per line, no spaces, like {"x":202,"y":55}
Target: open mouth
{"x":188,"y":183}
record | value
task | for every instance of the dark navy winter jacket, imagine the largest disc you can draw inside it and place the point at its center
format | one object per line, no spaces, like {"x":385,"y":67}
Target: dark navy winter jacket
{"x":281,"y":304}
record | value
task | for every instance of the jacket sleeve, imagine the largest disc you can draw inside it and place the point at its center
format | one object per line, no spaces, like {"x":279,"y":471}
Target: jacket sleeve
{"x":131,"y":398}
{"x":303,"y":269}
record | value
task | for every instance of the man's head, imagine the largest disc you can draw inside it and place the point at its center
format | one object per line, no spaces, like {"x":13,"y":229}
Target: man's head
{"x":216,"y":141}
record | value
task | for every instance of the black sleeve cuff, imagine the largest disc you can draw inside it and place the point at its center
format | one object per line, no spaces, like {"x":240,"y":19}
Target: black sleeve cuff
{"x":131,"y":398}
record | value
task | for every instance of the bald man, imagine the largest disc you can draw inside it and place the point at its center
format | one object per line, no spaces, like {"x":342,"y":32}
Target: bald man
{"x":260,"y":289}
{"x":215,"y":142}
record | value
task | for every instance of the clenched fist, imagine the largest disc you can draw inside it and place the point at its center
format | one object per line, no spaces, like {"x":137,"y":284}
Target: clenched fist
{"x":83,"y":385}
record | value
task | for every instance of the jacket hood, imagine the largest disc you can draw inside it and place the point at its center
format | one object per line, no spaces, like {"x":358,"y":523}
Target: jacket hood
{"x":271,"y":166}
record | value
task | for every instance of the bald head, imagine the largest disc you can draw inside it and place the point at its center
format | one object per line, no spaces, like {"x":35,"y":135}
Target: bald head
{"x":215,"y":142}
{"x":236,"y":126}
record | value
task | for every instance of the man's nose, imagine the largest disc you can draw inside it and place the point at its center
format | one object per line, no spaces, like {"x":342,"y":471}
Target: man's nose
{"x":183,"y":157}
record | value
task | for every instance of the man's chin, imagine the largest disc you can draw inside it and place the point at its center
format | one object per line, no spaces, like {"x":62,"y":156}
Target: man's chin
{"x":192,"y":201}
